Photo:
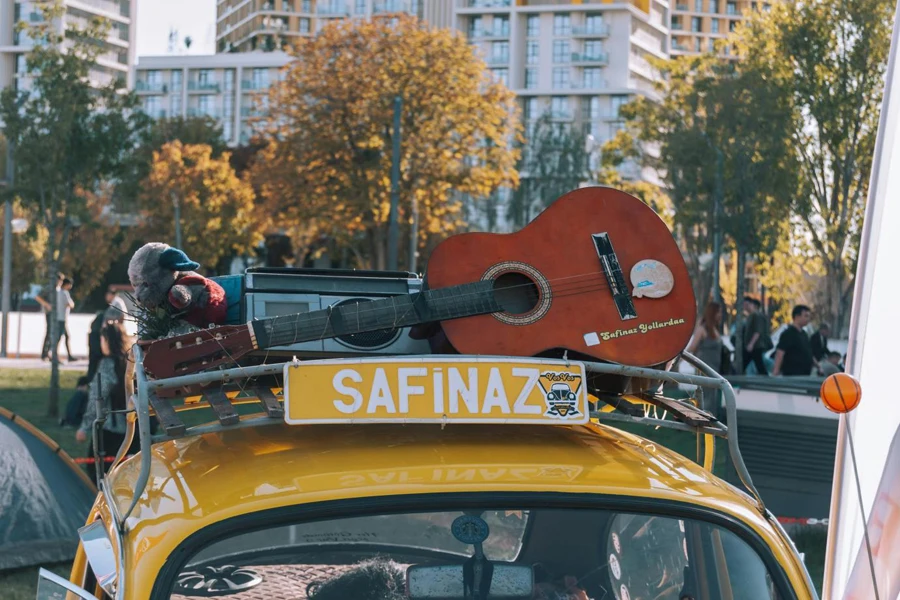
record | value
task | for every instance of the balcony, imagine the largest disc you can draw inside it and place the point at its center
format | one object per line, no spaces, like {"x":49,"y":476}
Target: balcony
{"x":150,"y":87}
{"x":199,"y":112}
{"x":560,"y":115}
{"x":498,"y":60}
{"x":250,"y":85}
{"x":489,"y":3}
{"x":595,"y":31}
{"x":597,"y":58}
{"x":336,"y":9}
{"x":486,"y":34}
{"x":681,"y":7}
{"x":159,"y":113}
{"x":121,"y":8}
{"x":204,"y":86}
{"x":391,"y":6}
{"x":591,"y":84}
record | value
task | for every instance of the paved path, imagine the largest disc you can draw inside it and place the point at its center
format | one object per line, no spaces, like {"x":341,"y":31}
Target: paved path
{"x":36,"y":363}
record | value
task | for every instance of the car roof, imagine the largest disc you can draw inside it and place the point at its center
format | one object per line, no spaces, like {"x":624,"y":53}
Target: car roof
{"x":201,"y":480}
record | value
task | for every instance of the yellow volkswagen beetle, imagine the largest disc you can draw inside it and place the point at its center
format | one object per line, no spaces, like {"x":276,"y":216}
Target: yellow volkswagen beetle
{"x":426,"y":477}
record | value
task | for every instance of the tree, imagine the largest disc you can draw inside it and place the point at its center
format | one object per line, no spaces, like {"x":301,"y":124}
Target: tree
{"x":190,"y":130}
{"x":328,"y":134}
{"x":719,"y":131}
{"x":829,"y":57}
{"x":218,"y":218}
{"x":555,"y":161}
{"x":27,"y":249}
{"x":68,"y":134}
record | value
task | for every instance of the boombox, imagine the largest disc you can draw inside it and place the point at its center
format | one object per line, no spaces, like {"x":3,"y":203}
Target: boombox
{"x":270,"y":292}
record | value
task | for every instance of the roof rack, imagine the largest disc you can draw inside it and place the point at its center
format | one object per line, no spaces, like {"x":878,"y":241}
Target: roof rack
{"x":261,"y":385}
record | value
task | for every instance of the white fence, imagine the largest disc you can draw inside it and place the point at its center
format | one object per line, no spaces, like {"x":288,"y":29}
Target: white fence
{"x":27,"y":330}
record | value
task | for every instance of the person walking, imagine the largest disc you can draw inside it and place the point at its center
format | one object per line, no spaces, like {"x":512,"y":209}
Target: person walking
{"x":706,"y":344}
{"x":64,"y":305}
{"x":755,"y":336}
{"x":43,"y":299}
{"x":107,"y":396}
{"x":819,"y":343}
{"x":793,"y":356}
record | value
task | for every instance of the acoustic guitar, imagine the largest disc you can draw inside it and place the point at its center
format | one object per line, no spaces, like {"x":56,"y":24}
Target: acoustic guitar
{"x":597,"y":274}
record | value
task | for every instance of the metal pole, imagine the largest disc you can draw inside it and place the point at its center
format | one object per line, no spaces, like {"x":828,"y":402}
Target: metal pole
{"x":177,"y":220}
{"x":414,"y":235}
{"x":393,"y":226}
{"x":717,"y":228}
{"x":7,"y":254}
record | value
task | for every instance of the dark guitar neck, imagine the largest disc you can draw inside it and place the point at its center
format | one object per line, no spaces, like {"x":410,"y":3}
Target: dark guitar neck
{"x":455,"y":302}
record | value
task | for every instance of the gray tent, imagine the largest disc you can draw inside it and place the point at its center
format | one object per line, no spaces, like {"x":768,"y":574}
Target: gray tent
{"x":44,"y":497}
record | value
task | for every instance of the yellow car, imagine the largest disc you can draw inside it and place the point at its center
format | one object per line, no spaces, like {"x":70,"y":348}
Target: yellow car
{"x":426,"y":477}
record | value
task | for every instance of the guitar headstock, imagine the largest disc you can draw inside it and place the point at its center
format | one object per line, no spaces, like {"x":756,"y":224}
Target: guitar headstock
{"x":196,"y":351}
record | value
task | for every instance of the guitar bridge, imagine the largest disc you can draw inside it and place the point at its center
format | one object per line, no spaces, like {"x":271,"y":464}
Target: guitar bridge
{"x":614,"y":276}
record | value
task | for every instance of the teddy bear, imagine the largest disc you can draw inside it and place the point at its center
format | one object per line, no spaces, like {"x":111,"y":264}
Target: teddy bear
{"x":164,"y":280}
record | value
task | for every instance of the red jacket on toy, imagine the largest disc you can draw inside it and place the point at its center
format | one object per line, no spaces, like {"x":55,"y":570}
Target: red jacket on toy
{"x":203,"y":298}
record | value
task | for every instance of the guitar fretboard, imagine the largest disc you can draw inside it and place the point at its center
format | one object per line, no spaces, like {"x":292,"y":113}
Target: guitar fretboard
{"x":393,"y":312}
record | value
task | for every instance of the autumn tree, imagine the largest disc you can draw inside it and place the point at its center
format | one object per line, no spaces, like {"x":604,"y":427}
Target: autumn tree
{"x":328,"y":133}
{"x":217,"y":215}
{"x":27,"y":249}
{"x":829,"y":57}
{"x":68,"y":134}
{"x":554,"y":161}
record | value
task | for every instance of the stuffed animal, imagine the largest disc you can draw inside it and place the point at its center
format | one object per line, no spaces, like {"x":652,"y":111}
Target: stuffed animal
{"x":164,"y":279}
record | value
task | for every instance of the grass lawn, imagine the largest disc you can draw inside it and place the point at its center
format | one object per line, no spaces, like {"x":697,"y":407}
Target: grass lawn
{"x":25,"y":392}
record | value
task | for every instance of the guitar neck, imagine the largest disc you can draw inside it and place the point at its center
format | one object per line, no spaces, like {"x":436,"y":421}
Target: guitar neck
{"x":443,"y":304}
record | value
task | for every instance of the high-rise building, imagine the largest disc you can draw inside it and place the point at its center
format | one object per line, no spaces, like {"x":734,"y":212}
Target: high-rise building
{"x":247,"y":25}
{"x":228,"y":87}
{"x":113,"y":63}
{"x":697,"y":24}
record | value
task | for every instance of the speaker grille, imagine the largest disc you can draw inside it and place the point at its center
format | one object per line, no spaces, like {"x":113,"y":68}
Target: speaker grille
{"x":370,"y":340}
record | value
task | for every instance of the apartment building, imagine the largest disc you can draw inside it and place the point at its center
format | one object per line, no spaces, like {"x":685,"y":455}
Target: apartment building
{"x":697,"y":24}
{"x":230,"y":87}
{"x":117,"y":55}
{"x":247,"y":25}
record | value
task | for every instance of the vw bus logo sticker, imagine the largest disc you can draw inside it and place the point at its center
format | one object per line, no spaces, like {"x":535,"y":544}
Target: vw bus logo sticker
{"x":561,"y":394}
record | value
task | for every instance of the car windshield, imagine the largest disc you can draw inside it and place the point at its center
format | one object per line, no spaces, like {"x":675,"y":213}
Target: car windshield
{"x":587,"y":553}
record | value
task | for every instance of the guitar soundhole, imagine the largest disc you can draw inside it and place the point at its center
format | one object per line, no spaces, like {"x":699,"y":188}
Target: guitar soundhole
{"x":516,"y":293}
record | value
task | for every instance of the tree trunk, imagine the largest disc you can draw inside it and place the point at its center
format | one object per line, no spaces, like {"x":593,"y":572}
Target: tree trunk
{"x":834,"y":295}
{"x":53,"y":297}
{"x":738,"y":310}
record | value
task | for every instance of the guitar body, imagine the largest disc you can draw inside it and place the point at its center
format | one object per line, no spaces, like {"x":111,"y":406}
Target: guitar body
{"x":559,"y":290}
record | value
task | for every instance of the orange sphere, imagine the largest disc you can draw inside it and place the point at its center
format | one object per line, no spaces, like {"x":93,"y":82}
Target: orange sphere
{"x":840,"y":393}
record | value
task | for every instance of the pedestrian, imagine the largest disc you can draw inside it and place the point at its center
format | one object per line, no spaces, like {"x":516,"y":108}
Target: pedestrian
{"x":44,"y":300}
{"x":706,"y":344}
{"x":113,"y":312}
{"x":819,"y":342}
{"x":831,"y":364}
{"x":793,"y":356}
{"x":64,"y":305}
{"x":755,"y":336}
{"x":77,"y":404}
{"x":107,"y":396}
{"x":116,"y":309}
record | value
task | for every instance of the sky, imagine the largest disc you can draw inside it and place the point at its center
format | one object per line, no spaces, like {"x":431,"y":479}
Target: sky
{"x":190,"y":18}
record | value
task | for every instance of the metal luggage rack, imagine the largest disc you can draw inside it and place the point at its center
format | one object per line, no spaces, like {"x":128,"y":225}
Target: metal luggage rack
{"x":225,"y":389}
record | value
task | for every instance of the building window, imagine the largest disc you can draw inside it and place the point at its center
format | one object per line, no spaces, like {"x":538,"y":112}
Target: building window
{"x":154,"y":79}
{"x":698,"y":5}
{"x":501,"y":26}
{"x":713,"y":6}
{"x":204,"y":105}
{"x":501,"y":76}
{"x":559,"y":107}
{"x":712,"y":44}
{"x":476,"y":27}
{"x":714,"y":26}
{"x":177,"y":80}
{"x":731,"y":8}
{"x":593,"y":49}
{"x":360,"y":7}
{"x":695,"y":23}
{"x":617,"y":102}
{"x":260,"y":79}
{"x":592,"y":78}
{"x":153,"y":107}
{"x":177,"y":105}
{"x":228,"y":107}
{"x":698,"y":45}
{"x":500,"y":52}
{"x":594,"y":23}
{"x":532,"y":108}
{"x":561,"y":78}
{"x":306,"y":6}
{"x":562,"y":24}
{"x":562,"y":52}
{"x":229,"y":80}
{"x":532,"y":52}
{"x":590,"y":108}
{"x":533,"y":26}
{"x":531,"y":79}
{"x":732,"y":25}
{"x":204,"y":77}
{"x":304,"y":25}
